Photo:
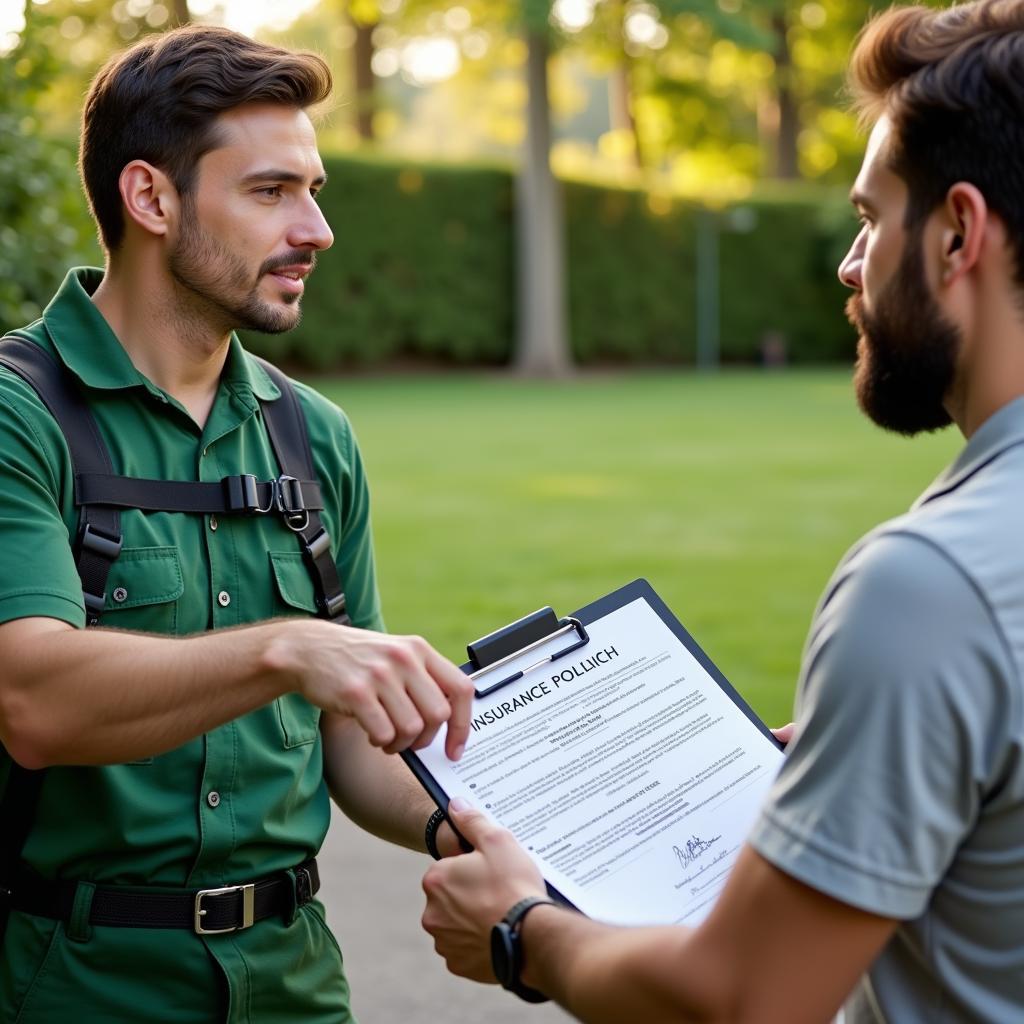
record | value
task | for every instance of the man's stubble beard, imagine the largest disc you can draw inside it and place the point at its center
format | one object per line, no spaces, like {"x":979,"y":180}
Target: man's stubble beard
{"x":217,"y":285}
{"x":907,"y":351}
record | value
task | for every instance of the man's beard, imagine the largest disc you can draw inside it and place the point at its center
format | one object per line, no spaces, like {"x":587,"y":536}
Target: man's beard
{"x":222,"y":287}
{"x":907,"y":351}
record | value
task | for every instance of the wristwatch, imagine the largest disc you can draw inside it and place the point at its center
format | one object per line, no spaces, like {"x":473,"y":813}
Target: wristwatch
{"x":507,"y":950}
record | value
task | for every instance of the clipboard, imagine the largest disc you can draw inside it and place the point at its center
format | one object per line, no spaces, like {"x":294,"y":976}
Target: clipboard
{"x":536,"y":647}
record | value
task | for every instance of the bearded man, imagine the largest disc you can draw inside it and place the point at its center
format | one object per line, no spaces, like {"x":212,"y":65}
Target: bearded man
{"x":887,"y":867}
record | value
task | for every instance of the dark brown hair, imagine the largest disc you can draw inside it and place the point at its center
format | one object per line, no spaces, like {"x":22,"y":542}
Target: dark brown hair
{"x":158,"y":101}
{"x":952,"y":83}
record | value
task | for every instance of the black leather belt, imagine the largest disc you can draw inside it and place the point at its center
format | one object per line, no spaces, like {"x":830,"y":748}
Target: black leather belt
{"x":204,"y":911}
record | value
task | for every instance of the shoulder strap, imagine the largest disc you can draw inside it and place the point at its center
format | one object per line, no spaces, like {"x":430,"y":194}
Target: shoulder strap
{"x":21,"y":794}
{"x":99,"y":527}
{"x":286,"y":426}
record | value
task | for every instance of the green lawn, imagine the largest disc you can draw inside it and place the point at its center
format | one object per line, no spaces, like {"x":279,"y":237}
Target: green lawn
{"x":734,"y":495}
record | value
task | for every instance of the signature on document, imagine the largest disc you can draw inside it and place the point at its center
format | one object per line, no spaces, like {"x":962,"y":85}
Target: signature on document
{"x":695,"y":848}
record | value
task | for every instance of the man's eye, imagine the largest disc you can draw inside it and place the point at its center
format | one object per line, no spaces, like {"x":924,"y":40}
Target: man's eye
{"x":271,"y":191}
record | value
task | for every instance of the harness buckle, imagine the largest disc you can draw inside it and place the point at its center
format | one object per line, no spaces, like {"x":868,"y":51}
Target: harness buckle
{"x":242,"y":495}
{"x":248,"y":892}
{"x":291,"y":503}
{"x":334,"y":606}
{"x":98,"y":543}
{"x":101,"y":545}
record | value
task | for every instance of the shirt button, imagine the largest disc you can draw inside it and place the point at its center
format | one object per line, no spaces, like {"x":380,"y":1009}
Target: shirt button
{"x":213,"y":522}
{"x":213,"y":798}
{"x":223,"y":599}
{"x":120,"y":595}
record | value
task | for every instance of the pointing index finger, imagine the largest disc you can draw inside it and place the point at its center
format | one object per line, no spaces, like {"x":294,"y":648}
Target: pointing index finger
{"x":459,"y":690}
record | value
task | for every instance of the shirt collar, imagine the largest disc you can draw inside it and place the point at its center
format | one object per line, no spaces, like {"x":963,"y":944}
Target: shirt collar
{"x":83,"y":338}
{"x":1003,"y":429}
{"x":90,"y":349}
{"x":242,"y":370}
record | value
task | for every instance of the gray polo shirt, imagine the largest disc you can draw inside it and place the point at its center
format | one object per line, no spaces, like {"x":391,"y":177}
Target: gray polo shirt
{"x":903,"y":793}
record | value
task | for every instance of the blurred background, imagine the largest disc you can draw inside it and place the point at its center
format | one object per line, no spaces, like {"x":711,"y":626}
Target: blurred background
{"x":581,"y":309}
{"x":582,"y":304}
{"x":693,"y":143}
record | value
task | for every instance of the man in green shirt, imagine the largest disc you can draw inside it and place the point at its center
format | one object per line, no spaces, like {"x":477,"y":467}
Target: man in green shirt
{"x":190,"y":741}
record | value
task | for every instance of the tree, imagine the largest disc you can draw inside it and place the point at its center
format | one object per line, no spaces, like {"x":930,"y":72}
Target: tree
{"x":180,"y":13}
{"x":364,"y":17}
{"x":809,"y":47}
{"x":542,"y":347}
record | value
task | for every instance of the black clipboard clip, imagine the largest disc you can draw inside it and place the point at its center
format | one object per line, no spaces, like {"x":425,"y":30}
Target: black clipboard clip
{"x":512,"y":641}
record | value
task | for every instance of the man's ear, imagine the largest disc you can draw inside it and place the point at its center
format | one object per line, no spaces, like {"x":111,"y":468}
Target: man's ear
{"x":965,"y":218}
{"x":150,"y":199}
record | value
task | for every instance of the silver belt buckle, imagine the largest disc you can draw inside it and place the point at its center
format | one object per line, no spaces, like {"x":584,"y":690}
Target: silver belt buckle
{"x":248,"y":907}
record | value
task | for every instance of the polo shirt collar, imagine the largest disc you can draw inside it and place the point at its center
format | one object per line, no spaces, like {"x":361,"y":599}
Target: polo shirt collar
{"x":1003,"y":429}
{"x":90,"y":349}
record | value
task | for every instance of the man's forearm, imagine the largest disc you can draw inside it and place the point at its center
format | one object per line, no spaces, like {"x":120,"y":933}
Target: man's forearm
{"x":103,"y":696}
{"x":375,"y":790}
{"x":605,"y":975}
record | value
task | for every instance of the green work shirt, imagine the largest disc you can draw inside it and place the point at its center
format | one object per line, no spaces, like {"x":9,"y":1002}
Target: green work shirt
{"x":241,"y":801}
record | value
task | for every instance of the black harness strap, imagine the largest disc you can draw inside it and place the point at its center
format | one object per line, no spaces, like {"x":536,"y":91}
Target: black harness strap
{"x":100,"y":493}
{"x":98,"y":535}
{"x":233,"y":495}
{"x":99,"y":527}
{"x":286,"y":426}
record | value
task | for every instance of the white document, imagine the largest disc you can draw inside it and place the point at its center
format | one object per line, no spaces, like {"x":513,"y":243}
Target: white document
{"x":628,"y":773}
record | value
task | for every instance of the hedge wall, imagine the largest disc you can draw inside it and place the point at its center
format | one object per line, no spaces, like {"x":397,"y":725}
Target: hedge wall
{"x":423,"y":267}
{"x":633,"y":275}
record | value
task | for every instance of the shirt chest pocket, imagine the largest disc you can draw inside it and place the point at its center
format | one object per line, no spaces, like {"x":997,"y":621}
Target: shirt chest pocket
{"x":144,"y":589}
{"x":293,"y":586}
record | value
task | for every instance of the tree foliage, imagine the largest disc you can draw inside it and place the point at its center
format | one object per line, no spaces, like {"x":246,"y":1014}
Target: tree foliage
{"x":707,"y":97}
{"x":44,"y":225}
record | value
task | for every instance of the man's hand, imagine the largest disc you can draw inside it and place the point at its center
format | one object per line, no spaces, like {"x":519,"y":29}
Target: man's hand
{"x":468,"y":895}
{"x":784,"y":734}
{"x":398,"y":688}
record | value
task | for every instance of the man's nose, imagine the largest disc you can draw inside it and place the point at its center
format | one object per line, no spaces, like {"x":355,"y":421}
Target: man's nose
{"x":311,"y":230}
{"x":850,"y":268}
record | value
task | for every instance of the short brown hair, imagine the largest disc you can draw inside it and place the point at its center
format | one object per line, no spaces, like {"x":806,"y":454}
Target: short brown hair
{"x":158,"y":101}
{"x":952,"y":83}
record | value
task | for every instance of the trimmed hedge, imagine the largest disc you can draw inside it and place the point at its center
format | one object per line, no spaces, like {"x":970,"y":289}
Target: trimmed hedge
{"x":423,"y":267}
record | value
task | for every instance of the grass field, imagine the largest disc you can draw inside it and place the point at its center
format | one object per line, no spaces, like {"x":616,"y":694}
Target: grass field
{"x":735,"y":495}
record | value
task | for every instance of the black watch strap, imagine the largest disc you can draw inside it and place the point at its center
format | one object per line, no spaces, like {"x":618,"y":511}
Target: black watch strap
{"x":430,"y":833}
{"x":507,"y":950}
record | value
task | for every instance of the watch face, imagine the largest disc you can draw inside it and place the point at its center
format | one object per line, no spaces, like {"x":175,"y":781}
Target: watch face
{"x":502,"y":954}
